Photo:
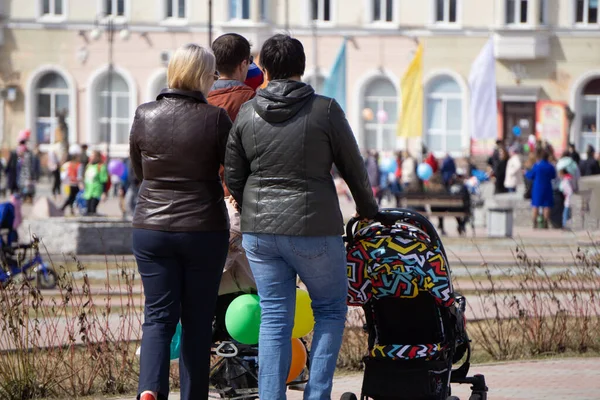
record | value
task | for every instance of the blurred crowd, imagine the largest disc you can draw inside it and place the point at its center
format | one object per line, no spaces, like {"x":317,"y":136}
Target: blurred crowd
{"x":81,"y":179}
{"x":549,"y":182}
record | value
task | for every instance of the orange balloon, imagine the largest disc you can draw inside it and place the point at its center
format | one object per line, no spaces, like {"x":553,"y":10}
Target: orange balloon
{"x":299,"y":359}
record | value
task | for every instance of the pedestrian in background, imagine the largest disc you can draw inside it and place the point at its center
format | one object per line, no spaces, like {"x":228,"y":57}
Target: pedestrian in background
{"x":542,"y":197}
{"x":590,"y":165}
{"x":566,"y":188}
{"x":94,"y":180}
{"x":73,"y":176}
{"x":514,"y":170}
{"x":500,"y":171}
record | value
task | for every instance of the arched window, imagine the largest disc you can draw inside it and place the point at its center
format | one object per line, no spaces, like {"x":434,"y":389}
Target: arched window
{"x":444,"y":122}
{"x":380,"y":115}
{"x":52,"y":99}
{"x":112,"y":107}
{"x":590,"y":114}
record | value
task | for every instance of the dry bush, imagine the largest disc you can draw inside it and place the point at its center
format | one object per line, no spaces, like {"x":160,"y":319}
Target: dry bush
{"x":77,"y":340}
{"x":528,"y":310}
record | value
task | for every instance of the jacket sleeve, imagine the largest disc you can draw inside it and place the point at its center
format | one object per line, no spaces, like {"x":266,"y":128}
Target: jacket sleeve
{"x":237,"y":166}
{"x":346,"y":156}
{"x":135,"y":154}
{"x":223,"y":128}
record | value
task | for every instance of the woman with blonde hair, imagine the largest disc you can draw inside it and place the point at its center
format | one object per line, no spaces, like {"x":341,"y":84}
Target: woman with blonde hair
{"x":181,"y":229}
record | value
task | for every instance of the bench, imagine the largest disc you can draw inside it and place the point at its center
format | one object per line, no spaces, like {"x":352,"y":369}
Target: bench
{"x":436,"y":204}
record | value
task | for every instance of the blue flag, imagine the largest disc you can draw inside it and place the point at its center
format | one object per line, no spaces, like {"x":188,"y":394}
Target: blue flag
{"x":335,"y":84}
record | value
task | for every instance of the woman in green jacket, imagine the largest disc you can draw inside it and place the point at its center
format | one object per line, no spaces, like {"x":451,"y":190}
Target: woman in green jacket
{"x":95,"y":179}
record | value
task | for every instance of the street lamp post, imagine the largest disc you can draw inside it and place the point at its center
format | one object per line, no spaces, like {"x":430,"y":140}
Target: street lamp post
{"x":110,"y":27}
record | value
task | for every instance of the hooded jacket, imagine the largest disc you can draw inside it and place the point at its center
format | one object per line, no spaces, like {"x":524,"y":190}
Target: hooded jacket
{"x":279,"y":159}
{"x":230,"y":95}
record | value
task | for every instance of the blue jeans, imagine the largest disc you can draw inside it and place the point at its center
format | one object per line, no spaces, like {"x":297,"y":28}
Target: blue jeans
{"x":566,"y":216}
{"x":320,"y":262}
{"x":180,"y":272}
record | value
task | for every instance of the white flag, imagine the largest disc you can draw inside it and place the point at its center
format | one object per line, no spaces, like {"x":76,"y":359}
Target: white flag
{"x":482,"y":82}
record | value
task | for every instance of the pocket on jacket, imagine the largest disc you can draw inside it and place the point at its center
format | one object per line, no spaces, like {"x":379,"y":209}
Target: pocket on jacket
{"x":308,"y":247}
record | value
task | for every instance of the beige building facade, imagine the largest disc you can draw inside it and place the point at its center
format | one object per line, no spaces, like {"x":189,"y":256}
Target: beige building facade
{"x":54,"y":57}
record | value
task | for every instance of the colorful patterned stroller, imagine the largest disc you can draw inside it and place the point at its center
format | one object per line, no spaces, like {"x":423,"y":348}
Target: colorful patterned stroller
{"x":398,"y":272}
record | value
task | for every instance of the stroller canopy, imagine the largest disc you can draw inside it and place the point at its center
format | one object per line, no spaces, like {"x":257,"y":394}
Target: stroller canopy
{"x":398,"y":261}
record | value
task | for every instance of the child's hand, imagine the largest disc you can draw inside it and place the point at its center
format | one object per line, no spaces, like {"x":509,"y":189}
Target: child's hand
{"x":234,"y":204}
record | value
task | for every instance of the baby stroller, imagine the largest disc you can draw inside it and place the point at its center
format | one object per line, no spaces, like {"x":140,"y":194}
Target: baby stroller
{"x":234,"y":374}
{"x":398,"y":272}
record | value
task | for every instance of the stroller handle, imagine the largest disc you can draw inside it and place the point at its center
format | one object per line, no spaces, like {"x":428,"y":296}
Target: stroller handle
{"x":389,"y":216}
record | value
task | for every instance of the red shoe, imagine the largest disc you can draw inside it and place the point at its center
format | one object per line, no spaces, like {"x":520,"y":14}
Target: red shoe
{"x":148,"y":396}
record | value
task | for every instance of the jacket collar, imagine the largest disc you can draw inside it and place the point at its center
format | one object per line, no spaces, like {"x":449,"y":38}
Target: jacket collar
{"x":193,"y":94}
{"x":227,"y":84}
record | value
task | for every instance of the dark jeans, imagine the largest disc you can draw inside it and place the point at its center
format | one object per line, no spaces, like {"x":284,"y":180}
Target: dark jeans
{"x":92,"y":206}
{"x":181,"y":272}
{"x":56,"y":182}
{"x":73,"y":191}
{"x":462,"y":224}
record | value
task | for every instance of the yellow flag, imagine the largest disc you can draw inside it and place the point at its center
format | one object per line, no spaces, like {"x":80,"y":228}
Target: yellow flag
{"x":411,"y":116}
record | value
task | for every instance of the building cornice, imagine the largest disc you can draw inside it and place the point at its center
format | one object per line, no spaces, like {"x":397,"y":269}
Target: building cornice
{"x":389,"y":30}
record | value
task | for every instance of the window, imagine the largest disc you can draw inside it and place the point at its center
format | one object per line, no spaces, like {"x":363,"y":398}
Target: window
{"x":586,"y":11}
{"x":264,"y":15}
{"x":112,"y":109}
{"x":53,"y":7}
{"x":383,"y":10}
{"x":175,"y":9}
{"x":590,"y":115}
{"x":543,"y":10}
{"x":116,"y":8}
{"x":380,"y":115}
{"x":516,"y":11}
{"x":239,"y":9}
{"x":446,"y":11}
{"x":444,"y":122}
{"x":52,"y":100}
{"x":321,"y":10}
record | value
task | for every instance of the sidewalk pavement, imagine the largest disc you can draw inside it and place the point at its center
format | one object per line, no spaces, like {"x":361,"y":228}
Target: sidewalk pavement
{"x":556,"y":379}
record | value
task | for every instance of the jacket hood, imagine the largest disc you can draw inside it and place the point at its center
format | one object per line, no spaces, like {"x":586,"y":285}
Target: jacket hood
{"x":281,"y":100}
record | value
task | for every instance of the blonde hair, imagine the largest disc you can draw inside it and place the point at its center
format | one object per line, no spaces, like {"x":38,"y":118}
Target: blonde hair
{"x":192,"y":67}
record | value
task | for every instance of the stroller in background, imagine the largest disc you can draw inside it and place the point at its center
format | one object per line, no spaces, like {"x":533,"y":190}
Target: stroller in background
{"x":398,"y":272}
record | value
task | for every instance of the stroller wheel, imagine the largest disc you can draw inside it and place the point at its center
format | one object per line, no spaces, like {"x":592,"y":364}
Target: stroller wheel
{"x":348,"y":396}
{"x":475,"y":397}
{"x":452,"y":398}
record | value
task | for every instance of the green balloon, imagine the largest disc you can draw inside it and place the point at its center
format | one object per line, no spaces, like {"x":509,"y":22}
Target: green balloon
{"x":242,"y":319}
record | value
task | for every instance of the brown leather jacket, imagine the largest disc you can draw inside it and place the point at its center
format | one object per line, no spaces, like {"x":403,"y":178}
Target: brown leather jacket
{"x":177,"y":144}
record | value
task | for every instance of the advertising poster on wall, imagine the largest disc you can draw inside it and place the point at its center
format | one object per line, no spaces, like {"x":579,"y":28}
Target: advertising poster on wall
{"x":552,"y":124}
